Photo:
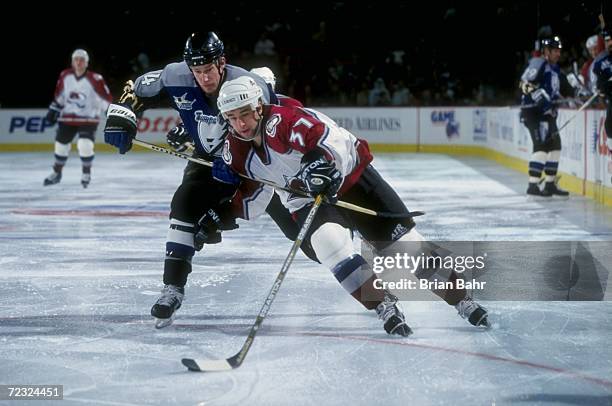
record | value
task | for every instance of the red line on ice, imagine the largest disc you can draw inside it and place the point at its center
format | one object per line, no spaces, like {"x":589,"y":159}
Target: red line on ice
{"x":599,"y":381}
{"x":91,"y":213}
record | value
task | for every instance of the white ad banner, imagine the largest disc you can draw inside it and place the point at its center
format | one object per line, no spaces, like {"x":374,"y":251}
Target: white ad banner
{"x":377,"y":125}
{"x":30,"y":127}
{"x":599,"y":161}
{"x":573,"y":140}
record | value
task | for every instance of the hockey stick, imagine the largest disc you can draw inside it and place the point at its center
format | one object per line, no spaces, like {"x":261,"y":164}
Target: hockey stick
{"x":584,"y":106}
{"x":339,"y":203}
{"x":236,"y":360}
{"x":558,"y":101}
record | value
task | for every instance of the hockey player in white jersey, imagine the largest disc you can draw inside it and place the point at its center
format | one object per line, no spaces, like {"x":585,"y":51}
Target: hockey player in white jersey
{"x":191,"y":88}
{"x":304,"y":149}
{"x":81,"y":95}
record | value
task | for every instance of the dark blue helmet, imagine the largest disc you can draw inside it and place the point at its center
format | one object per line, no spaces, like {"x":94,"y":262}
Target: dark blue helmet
{"x":201,"y":49}
{"x":552,"y":42}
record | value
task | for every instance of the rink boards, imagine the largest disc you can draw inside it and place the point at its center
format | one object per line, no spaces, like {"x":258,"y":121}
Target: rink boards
{"x":491,"y":132}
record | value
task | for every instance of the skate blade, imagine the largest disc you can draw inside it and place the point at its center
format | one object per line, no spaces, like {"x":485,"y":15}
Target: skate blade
{"x":161,"y":323}
{"x":532,"y":198}
{"x":401,"y":329}
{"x":483,"y":323}
{"x":557,"y":197}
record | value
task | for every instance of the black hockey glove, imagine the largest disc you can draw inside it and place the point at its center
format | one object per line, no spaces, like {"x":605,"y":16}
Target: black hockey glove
{"x":179,"y":139}
{"x":320,"y":176}
{"x":53,"y":113}
{"x":209,"y":227}
{"x":120,"y":127}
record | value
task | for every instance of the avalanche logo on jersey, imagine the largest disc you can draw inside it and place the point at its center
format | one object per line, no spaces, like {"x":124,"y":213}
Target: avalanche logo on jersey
{"x":271,"y":125}
{"x":183,"y":103}
{"x":78,"y":98}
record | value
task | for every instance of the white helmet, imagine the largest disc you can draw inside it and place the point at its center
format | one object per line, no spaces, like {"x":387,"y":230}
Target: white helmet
{"x":237,"y":93}
{"x":266,"y":74}
{"x":81,"y":53}
{"x":591,"y":42}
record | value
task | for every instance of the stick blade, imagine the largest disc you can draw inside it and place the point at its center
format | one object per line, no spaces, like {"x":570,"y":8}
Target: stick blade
{"x":207,"y":365}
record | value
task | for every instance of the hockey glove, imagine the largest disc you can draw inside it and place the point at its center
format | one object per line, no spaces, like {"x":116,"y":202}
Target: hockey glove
{"x":120,"y":127}
{"x":209,"y":227}
{"x":53,"y":113}
{"x":223,"y":173}
{"x":179,"y":139}
{"x":527,"y":87}
{"x":320,"y":176}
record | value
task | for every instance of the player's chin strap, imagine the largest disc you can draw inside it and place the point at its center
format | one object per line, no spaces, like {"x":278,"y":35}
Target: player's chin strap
{"x":340,"y":203}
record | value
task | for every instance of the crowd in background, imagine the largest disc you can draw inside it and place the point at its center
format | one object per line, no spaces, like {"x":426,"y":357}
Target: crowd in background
{"x":334,"y":54}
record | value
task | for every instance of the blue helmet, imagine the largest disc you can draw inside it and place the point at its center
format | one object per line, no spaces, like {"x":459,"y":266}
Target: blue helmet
{"x":201,"y":49}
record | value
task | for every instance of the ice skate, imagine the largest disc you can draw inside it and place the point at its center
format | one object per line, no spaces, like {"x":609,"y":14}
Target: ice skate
{"x":166,"y":306}
{"x":473,"y":312}
{"x":552,"y":190}
{"x":389,"y":312}
{"x":52,"y":179}
{"x":85,"y":179}
{"x":534,"y":192}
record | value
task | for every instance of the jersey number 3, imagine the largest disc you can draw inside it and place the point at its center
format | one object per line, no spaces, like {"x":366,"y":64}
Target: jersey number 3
{"x":296,"y":135}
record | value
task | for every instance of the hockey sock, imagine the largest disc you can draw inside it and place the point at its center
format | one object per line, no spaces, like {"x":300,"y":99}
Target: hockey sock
{"x":552,"y":165}
{"x":86,"y":151}
{"x":358,"y":280}
{"x":179,"y":252}
{"x":536,"y":166}
{"x":61,"y":156}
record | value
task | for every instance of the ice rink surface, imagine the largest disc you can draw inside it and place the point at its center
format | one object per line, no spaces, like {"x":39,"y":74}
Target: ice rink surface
{"x":80,"y":269}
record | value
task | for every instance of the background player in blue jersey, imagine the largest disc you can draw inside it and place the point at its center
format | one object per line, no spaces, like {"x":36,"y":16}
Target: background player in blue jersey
{"x":540,"y":85}
{"x":602,"y":79}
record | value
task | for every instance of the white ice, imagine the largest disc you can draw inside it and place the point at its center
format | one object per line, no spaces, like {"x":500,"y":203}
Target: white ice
{"x":80,"y":269}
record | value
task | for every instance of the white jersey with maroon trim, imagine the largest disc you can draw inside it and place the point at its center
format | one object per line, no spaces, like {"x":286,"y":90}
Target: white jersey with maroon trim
{"x":82,"y":99}
{"x":287,"y":134}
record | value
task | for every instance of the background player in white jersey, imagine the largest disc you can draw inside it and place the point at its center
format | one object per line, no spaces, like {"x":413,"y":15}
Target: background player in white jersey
{"x":191,"y":88}
{"x":304,"y":149}
{"x":80,"y":97}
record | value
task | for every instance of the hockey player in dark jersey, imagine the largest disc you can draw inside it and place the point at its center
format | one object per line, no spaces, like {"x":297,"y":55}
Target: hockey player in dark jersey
{"x":540,"y":87}
{"x":602,"y":79}
{"x":305,"y":149}
{"x":191,"y":87}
